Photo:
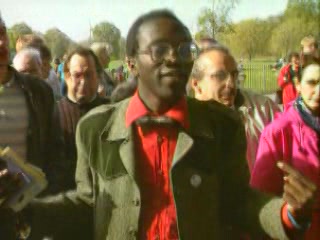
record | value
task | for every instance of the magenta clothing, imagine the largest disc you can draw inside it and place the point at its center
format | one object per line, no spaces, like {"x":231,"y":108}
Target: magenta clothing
{"x":289,"y":139}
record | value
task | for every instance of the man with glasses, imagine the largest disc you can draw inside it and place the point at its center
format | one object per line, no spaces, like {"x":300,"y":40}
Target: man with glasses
{"x":214,"y":76}
{"x":81,"y":76}
{"x":159,"y":165}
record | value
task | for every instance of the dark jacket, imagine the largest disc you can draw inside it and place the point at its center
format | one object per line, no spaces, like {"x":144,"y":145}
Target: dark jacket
{"x":68,"y":115}
{"x":44,"y":139}
{"x":106,"y":205}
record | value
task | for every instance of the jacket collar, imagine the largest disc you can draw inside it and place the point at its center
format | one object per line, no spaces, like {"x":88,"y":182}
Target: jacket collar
{"x":200,"y":126}
{"x":116,"y":130}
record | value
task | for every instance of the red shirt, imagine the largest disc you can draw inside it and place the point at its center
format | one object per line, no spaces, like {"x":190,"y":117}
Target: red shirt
{"x":154,"y":149}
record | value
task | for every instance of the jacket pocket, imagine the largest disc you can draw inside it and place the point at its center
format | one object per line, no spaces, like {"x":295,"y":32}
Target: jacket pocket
{"x":106,"y":161}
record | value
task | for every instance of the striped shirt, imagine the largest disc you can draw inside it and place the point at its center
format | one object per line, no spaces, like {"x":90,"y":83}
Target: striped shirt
{"x":13,"y":118}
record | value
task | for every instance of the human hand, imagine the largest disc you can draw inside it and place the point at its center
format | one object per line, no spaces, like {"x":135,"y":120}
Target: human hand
{"x":299,"y":192}
{"x":9,"y":182}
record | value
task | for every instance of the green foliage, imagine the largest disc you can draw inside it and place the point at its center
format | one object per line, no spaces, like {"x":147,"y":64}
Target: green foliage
{"x":276,"y":35}
{"x":212,"y":22}
{"x":248,"y":38}
{"x":108,"y":32}
{"x":57,"y":41}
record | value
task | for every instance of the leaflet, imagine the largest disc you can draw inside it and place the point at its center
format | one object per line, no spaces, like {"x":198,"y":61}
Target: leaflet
{"x":33,"y":179}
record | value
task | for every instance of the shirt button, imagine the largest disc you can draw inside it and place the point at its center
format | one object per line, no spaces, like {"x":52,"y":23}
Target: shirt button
{"x":132,"y":232}
{"x":159,"y":139}
{"x":195,"y":180}
{"x":136,"y":202}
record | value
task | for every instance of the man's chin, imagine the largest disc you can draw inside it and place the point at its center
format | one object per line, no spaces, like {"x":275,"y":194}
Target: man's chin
{"x":82,"y":99}
{"x":227,"y":102}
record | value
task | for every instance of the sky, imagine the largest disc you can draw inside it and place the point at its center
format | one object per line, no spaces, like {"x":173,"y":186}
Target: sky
{"x":74,"y":17}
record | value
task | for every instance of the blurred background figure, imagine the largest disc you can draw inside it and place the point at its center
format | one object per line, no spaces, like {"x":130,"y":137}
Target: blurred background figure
{"x":309,"y":50}
{"x":206,"y":42}
{"x":27,"y":39}
{"x":288,"y":77}
{"x":47,"y":72}
{"x":28,"y":61}
{"x":106,"y":85}
{"x":126,"y":88}
{"x":55,"y":63}
{"x":60,"y":74}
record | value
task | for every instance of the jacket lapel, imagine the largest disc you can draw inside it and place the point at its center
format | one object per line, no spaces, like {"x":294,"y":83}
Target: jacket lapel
{"x":199,"y":127}
{"x":184,"y":144}
{"x":116,"y":130}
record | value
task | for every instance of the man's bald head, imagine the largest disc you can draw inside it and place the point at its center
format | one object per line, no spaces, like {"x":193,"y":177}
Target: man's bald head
{"x":214,"y":76}
{"x":28,"y":61}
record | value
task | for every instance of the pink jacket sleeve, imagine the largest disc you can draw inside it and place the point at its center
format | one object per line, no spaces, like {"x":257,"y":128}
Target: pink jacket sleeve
{"x":266,"y":176}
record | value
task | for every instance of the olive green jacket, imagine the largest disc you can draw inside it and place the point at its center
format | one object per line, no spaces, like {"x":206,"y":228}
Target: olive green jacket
{"x":209,"y":179}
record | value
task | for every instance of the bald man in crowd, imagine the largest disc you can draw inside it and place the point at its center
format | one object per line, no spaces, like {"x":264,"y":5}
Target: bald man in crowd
{"x":214,"y":76}
{"x":28,"y":61}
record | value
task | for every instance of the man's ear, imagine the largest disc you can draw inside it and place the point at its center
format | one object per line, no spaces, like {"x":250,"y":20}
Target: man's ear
{"x":195,"y":85}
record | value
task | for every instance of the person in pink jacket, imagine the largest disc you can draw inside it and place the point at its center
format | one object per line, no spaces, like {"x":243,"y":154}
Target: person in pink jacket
{"x":293,"y":138}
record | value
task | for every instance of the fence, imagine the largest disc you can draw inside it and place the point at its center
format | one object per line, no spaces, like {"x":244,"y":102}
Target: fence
{"x":261,"y":78}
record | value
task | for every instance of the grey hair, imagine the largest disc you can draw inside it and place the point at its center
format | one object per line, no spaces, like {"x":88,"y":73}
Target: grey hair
{"x":33,"y":53}
{"x":198,"y":66}
{"x":97,"y":47}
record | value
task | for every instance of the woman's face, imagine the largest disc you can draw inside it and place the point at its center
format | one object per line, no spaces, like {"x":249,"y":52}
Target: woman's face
{"x":309,"y":87}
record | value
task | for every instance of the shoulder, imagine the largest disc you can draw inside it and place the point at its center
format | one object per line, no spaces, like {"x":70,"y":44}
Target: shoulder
{"x":100,"y":116}
{"x":213,"y":111}
{"x":283,"y":123}
{"x":257,"y":99}
{"x":33,"y":83}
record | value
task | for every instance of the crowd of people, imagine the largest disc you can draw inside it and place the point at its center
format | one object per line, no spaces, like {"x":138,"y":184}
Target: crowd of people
{"x":176,"y":151}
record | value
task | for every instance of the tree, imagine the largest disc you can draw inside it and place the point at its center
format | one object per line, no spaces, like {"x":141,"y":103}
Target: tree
{"x":107,"y":32}
{"x":57,"y":41}
{"x":301,"y":18}
{"x":212,"y":22}
{"x":247,"y":39}
{"x":287,"y":36}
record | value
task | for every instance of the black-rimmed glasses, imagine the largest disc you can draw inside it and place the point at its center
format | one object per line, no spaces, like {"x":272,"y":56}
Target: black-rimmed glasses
{"x":186,"y":51}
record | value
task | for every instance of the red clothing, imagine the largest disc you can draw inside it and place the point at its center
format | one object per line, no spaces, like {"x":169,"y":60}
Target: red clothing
{"x":285,"y":82}
{"x":154,"y":147}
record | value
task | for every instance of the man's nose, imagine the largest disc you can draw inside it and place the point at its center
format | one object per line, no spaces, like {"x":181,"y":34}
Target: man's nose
{"x":171,"y":55}
{"x":230,"y":81}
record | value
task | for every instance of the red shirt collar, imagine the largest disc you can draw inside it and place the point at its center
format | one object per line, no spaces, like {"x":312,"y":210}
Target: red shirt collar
{"x":137,"y":109}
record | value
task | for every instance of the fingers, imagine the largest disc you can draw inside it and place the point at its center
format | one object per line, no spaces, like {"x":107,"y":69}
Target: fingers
{"x":295,"y":194}
{"x":297,"y":176}
{"x":298,"y":191}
